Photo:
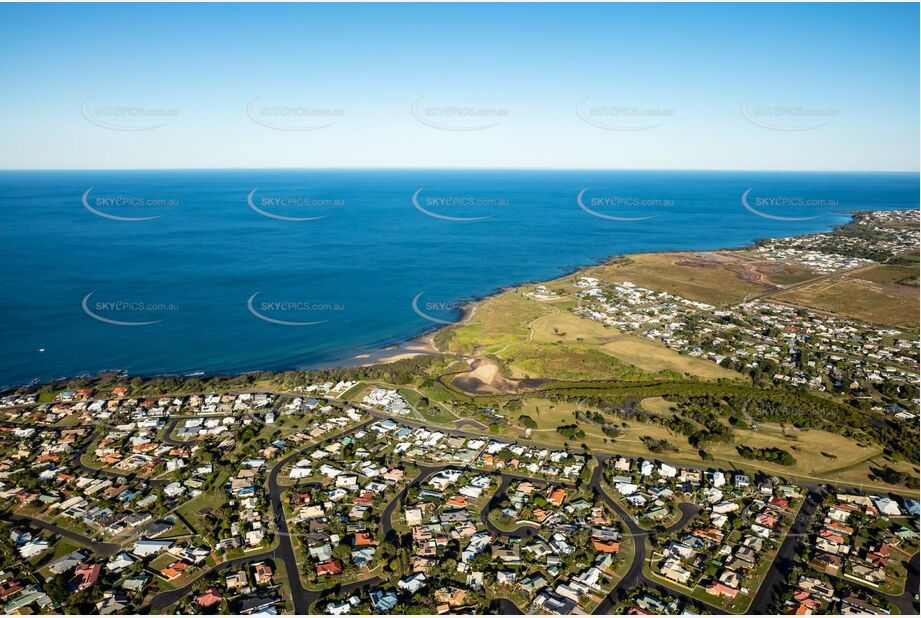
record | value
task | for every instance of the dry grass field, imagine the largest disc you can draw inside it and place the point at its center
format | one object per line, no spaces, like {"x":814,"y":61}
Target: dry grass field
{"x":649,"y":355}
{"x":645,"y":354}
{"x":820,"y":456}
{"x":717,"y":278}
{"x":853,"y":296}
{"x":657,"y":405}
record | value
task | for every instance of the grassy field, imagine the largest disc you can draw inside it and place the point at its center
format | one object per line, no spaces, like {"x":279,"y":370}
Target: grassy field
{"x":649,"y":356}
{"x":547,"y":414}
{"x":544,"y":339}
{"x":714,"y":278}
{"x":436,"y":414}
{"x":570,"y":362}
{"x":498,"y":321}
{"x":820,"y":456}
{"x":531,"y":338}
{"x":212,"y":498}
{"x":358,"y":392}
{"x":657,"y":405}
{"x":806,"y":446}
{"x":347,"y":395}
{"x":502,"y":326}
{"x":862,"y":470}
{"x":437,"y":392}
{"x":853,"y":296}
{"x":899,"y":274}
{"x":68,"y":421}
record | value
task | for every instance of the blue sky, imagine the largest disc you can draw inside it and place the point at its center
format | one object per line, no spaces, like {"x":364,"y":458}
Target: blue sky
{"x":677,"y":86}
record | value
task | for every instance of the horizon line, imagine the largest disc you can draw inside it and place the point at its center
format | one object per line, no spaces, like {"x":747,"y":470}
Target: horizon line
{"x":450,"y":169}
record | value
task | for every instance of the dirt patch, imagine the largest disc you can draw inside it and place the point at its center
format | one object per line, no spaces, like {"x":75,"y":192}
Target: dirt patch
{"x":485,"y":378}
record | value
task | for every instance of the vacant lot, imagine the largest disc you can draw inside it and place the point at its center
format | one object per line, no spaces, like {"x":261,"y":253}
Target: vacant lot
{"x":710,"y":277}
{"x":903,"y":275}
{"x":885,"y":304}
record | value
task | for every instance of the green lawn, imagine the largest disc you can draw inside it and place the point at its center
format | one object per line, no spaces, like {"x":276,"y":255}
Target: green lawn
{"x":349,"y":394}
{"x":212,"y":498}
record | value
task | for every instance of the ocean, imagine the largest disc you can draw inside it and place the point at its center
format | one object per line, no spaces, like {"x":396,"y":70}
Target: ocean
{"x":178,"y":272}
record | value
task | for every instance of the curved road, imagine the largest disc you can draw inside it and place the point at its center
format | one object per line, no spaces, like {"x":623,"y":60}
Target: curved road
{"x":303,"y":598}
{"x":634,"y":575}
{"x":300,"y":597}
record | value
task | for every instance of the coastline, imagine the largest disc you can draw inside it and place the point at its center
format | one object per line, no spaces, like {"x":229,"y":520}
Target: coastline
{"x":424,"y":343}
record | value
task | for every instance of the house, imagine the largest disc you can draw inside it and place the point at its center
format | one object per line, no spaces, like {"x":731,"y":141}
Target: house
{"x":412,"y":584}
{"x":174,"y":571}
{"x":338,"y":609}
{"x":68,"y":562}
{"x":237,"y":580}
{"x":262,"y":573}
{"x":605,"y":547}
{"x":9,"y":589}
{"x":855,"y":605}
{"x":553,"y":604}
{"x":31,"y":549}
{"x":675,"y":571}
{"x":332,"y":566}
{"x":136,"y":584}
{"x":887,"y":506}
{"x":31,"y":595}
{"x":667,"y":471}
{"x":363,"y":557}
{"x":383,"y":601}
{"x":86,"y":575}
{"x":450,"y":597}
{"x":725,"y":507}
{"x":112,"y":604}
{"x":173,"y":490}
{"x":637,"y":500}
{"x":730,"y":578}
{"x":720,"y":589}
{"x":413,"y":517}
{"x":209,"y":598}
{"x":556,"y":496}
{"x":362,"y":539}
{"x":119,"y":563}
{"x":148,"y":547}
{"x":257,"y":605}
